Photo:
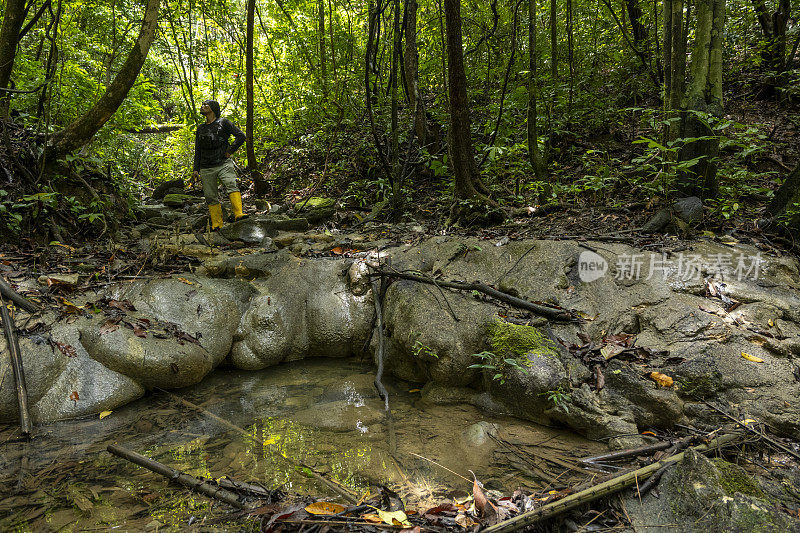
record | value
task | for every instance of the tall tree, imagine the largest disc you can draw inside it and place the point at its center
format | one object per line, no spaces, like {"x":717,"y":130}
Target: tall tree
{"x":534,"y":156}
{"x":81,"y":131}
{"x":411,"y":64}
{"x":460,"y":133}
{"x":9,"y":38}
{"x":252,"y":164}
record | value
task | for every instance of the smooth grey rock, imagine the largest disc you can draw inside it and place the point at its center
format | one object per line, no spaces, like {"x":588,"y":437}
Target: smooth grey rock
{"x":689,"y":209}
{"x":658,"y":221}
{"x":167,"y":187}
{"x":179,"y":199}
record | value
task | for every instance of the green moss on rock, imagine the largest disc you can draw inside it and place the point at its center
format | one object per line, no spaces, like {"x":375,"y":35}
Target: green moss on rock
{"x":511,"y":340}
{"x":733,"y":479}
{"x":317,"y":202}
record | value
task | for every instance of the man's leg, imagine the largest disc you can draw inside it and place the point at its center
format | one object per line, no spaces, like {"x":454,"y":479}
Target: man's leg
{"x":209,"y":178}
{"x":228,"y":176}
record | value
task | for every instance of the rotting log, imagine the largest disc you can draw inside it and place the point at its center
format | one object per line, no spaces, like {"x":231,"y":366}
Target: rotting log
{"x":16,"y":364}
{"x":552,"y":313}
{"x":603,"y":489}
{"x":190,"y":482}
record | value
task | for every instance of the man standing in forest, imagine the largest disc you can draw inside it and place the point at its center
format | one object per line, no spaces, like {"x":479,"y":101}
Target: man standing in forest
{"x":212,"y":161}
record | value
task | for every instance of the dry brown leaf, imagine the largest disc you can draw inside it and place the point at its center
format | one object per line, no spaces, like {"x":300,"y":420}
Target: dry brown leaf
{"x":325,"y":508}
{"x":663,"y":380}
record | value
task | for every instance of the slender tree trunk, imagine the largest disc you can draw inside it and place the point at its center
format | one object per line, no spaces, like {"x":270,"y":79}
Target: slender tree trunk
{"x":554,"y":41}
{"x":323,"y":63}
{"x":397,"y":197}
{"x":81,"y":131}
{"x":9,"y":38}
{"x":534,"y":155}
{"x":411,"y":59}
{"x":460,"y":135}
{"x":704,"y":94}
{"x":258,"y":183}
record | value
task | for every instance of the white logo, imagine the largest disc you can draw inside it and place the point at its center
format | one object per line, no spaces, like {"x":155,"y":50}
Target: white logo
{"x":591,"y":266}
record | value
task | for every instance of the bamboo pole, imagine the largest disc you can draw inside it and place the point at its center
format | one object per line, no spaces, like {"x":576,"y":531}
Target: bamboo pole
{"x":598,"y":491}
{"x":190,"y":482}
{"x":16,"y":365}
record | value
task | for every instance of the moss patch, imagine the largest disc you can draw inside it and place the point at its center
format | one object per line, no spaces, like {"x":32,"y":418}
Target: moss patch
{"x":733,"y":479}
{"x":511,"y":340}
{"x":317,"y":202}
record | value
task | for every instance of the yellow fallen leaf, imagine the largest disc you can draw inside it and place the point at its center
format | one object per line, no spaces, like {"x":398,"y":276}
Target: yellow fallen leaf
{"x":662,"y":379}
{"x":105,"y":414}
{"x":752,"y":358}
{"x":748,"y":421}
{"x":373,"y":518}
{"x":771,"y":323}
{"x":394,"y":518}
{"x":186,"y":281}
{"x":414,"y":390}
{"x":272,"y":440}
{"x":325,"y":508}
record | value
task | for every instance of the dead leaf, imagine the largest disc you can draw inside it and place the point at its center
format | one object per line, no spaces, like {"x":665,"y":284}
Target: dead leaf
{"x":105,"y":414}
{"x":394,"y":518}
{"x":372,"y":518}
{"x":66,"y":349}
{"x":112,"y":324}
{"x":752,"y":358}
{"x":663,"y":380}
{"x":139,"y":331}
{"x":74,"y":396}
{"x":186,"y":281}
{"x":325,"y":508}
{"x":122,"y":305}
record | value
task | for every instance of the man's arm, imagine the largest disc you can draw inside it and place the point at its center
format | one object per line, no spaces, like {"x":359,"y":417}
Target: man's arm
{"x":238,"y":136}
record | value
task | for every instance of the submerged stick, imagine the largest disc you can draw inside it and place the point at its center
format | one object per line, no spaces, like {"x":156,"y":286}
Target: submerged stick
{"x":552,"y":313}
{"x":190,"y":482}
{"x":338,"y":489}
{"x":598,"y":491}
{"x":16,"y":364}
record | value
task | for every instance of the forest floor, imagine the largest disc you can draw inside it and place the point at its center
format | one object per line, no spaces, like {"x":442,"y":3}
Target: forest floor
{"x":613,"y":209}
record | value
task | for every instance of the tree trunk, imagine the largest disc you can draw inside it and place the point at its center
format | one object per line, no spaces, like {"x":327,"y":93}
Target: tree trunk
{"x":252,"y":164}
{"x":323,"y":64}
{"x":553,"y":41}
{"x":9,"y":38}
{"x":81,"y":131}
{"x":411,"y":59}
{"x":704,"y":94}
{"x":459,"y":135}
{"x":534,"y":156}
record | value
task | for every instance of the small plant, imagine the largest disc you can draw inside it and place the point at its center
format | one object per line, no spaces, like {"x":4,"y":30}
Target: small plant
{"x":559,"y":397}
{"x":500,"y":365}
{"x":421,"y":350}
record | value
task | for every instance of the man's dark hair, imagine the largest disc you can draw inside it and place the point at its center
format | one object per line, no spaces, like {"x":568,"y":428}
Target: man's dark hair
{"x":214,"y":105}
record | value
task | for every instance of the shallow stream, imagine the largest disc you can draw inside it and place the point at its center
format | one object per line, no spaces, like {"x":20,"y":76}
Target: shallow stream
{"x":321,"y":412}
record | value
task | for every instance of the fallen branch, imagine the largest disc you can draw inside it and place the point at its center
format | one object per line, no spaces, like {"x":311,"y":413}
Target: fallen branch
{"x":340,"y":490}
{"x":622,"y":454}
{"x":19,"y":300}
{"x":16,"y":364}
{"x":190,"y":482}
{"x":552,"y":313}
{"x":598,"y":491}
{"x":760,"y":434}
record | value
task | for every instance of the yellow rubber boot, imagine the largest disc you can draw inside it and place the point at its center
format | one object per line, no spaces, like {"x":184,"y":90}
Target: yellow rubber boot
{"x":236,"y":205}
{"x":215,"y":213}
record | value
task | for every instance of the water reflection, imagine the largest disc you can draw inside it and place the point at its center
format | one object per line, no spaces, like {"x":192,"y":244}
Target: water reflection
{"x":321,"y":413}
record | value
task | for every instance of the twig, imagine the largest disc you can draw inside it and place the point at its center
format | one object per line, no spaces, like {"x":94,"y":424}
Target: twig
{"x":549,"y":312}
{"x":621,"y":454}
{"x":190,"y":482}
{"x":470,"y":481}
{"x":758,"y":433}
{"x":381,"y":350}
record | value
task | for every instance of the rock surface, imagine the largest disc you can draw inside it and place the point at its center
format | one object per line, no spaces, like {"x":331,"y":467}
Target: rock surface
{"x":255,"y":308}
